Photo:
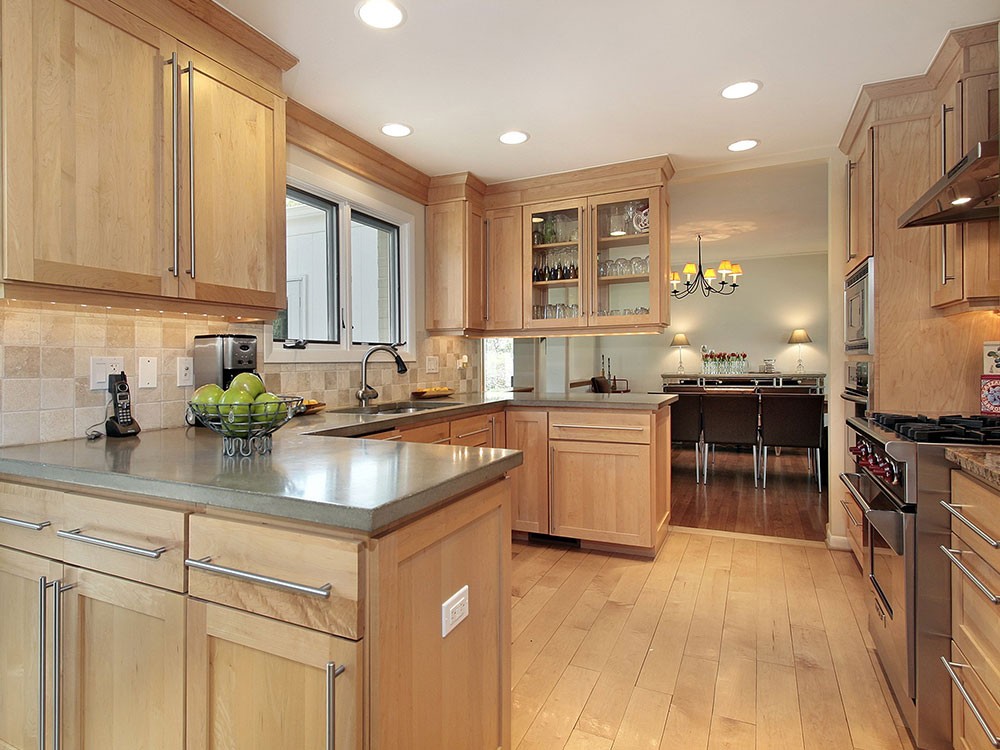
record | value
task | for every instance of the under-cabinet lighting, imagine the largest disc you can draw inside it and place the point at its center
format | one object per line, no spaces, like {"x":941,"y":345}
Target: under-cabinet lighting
{"x":744,"y":145}
{"x":380,"y":14}
{"x":961,"y":201}
{"x":396,"y":129}
{"x":741,"y":89}
{"x":514,"y":137}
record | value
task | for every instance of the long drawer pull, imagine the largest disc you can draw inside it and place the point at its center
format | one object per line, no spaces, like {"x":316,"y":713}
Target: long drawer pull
{"x":598,"y":427}
{"x":205,"y":563}
{"x":474,"y":432}
{"x":951,"y":554}
{"x":442,"y":440}
{"x":950,"y":667}
{"x":393,"y":437}
{"x":953,"y":509}
{"x":75,"y":535}
{"x":332,"y":673}
{"x":850,"y":516}
{"x":25,"y":524}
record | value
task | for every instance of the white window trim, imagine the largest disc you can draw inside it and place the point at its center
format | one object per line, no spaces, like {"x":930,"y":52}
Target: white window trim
{"x":346,"y":199}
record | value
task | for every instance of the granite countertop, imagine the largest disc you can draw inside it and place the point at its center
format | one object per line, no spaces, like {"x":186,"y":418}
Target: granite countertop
{"x":982,"y":463}
{"x":313,"y":473}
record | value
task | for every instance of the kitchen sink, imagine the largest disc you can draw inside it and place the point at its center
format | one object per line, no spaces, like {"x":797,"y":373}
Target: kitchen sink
{"x":396,"y":407}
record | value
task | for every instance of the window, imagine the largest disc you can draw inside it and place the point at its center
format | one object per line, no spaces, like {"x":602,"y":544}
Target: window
{"x":498,"y":364}
{"x":347,"y":268}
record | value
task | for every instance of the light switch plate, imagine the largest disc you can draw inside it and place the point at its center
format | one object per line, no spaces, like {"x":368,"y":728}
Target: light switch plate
{"x":147,"y":372}
{"x":432,"y":366}
{"x":454,"y":610}
{"x":185,"y":371}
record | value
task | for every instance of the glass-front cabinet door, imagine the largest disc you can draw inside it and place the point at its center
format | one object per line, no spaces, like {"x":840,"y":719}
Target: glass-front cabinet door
{"x":555,"y":265}
{"x":624,"y":259}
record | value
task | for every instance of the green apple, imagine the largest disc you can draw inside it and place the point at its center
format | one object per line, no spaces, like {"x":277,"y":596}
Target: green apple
{"x":249,"y":382}
{"x":208,"y":395}
{"x":268,"y":408}
{"x":234,"y":408}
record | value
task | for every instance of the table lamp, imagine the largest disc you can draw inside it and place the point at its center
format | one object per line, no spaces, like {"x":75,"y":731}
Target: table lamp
{"x":799,"y":336}
{"x":680,"y":340}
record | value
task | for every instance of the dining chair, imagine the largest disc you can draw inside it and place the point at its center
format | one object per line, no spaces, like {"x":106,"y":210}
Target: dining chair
{"x":792,"y":420}
{"x":729,"y":419}
{"x":685,"y":426}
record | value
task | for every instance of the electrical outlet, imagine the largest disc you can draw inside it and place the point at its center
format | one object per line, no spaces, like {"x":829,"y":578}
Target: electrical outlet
{"x":454,"y":610}
{"x":431,"y":366}
{"x":185,"y":371}
{"x":100,"y":367}
{"x":147,"y":372}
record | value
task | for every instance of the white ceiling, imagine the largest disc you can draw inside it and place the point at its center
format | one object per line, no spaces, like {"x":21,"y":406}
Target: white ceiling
{"x":596,"y":82}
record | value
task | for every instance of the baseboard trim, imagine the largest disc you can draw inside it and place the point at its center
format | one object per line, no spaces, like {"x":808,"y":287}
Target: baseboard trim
{"x":750,"y":537}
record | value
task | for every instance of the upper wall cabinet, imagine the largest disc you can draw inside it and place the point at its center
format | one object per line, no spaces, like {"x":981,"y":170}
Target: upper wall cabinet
{"x":861,"y":199}
{"x":125,"y":151}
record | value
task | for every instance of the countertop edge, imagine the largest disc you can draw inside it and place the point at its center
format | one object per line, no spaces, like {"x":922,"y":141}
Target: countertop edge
{"x":980,"y":462}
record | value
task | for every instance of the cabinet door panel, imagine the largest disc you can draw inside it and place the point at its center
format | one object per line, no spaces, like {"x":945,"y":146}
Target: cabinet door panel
{"x":260,"y":684}
{"x":527,"y":431}
{"x":87,"y":98}
{"x":601,"y":492}
{"x":239,"y":227}
{"x":19,"y":684}
{"x":503,"y":291}
{"x":447,"y":228}
{"x":122,"y":645}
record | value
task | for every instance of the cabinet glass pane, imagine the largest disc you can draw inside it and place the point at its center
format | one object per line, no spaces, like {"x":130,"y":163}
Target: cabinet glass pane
{"x":555,"y":271}
{"x":622,"y":262}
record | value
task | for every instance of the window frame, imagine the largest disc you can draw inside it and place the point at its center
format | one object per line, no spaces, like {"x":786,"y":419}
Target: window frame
{"x":346,"y":199}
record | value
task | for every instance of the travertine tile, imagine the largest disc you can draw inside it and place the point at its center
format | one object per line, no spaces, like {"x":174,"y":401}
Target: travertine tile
{"x":58,"y":393}
{"x":90,"y":331}
{"x":149,"y":416}
{"x":57,"y":362}
{"x":56,"y":424}
{"x":20,"y":328}
{"x":22,"y":361}
{"x":21,"y":395}
{"x":20,"y":428}
{"x":57,"y":329}
{"x":148,"y":334}
{"x":121,"y":333}
{"x":88,"y":417}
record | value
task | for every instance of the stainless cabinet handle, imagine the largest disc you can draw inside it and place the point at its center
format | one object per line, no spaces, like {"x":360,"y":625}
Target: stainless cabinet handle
{"x":950,"y":667}
{"x":945,"y":109}
{"x":865,"y":508}
{"x":952,"y":554}
{"x":323,"y":592}
{"x":953,"y":509}
{"x":871,"y":192}
{"x":58,"y":590}
{"x":394,"y":437}
{"x":474,"y":432}
{"x":25,"y":524}
{"x":43,"y":585}
{"x":945,"y":278}
{"x":75,"y":535}
{"x":851,"y":166}
{"x":598,"y":427}
{"x":442,"y":440}
{"x":332,"y":673}
{"x":190,"y":71}
{"x":486,"y":268}
{"x":175,"y":128}
{"x":847,"y":509}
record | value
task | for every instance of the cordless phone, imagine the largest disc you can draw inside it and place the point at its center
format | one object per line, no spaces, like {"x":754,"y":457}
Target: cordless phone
{"x":121,"y":424}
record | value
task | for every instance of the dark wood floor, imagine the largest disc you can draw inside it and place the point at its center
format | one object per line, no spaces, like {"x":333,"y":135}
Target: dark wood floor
{"x":790,"y":507}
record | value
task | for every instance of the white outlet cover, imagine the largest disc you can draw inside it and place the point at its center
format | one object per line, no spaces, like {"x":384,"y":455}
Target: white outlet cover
{"x":454,"y":610}
{"x":99,"y":369}
{"x":147,"y":372}
{"x":432,"y":366}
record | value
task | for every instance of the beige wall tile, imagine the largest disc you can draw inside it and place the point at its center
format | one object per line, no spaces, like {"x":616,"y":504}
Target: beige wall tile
{"x":22,"y":361}
{"x":121,"y":333}
{"x":148,"y":334}
{"x":21,"y":395}
{"x":57,"y":328}
{"x":20,"y":428}
{"x":57,"y":362}
{"x":20,"y":328}
{"x":56,"y":424}
{"x":90,"y":331}
{"x":58,"y":393}
{"x":87,"y":417}
{"x":149,"y":416}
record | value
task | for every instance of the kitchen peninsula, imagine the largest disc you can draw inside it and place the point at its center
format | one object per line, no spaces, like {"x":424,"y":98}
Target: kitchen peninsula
{"x":318,"y":571}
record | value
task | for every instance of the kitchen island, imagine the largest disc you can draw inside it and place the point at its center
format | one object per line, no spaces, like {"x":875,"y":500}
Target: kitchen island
{"x":285,"y":600}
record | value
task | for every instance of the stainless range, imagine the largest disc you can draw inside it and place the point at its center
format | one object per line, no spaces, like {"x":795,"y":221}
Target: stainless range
{"x":900,"y":480}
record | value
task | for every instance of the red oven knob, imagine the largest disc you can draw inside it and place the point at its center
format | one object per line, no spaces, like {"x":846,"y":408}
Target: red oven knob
{"x":855,"y":450}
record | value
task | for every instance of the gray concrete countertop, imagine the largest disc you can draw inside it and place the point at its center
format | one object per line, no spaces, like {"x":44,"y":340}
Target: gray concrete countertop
{"x":982,"y":463}
{"x":313,"y":474}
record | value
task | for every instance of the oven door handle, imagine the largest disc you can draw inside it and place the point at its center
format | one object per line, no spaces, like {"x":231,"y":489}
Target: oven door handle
{"x":854,"y":398}
{"x":854,"y":491}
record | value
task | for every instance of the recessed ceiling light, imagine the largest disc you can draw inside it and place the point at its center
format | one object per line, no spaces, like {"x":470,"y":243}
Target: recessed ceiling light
{"x":380,"y":14}
{"x":396,"y":129}
{"x":514,"y":137}
{"x":744,"y":145}
{"x":961,"y":201}
{"x":741,"y":89}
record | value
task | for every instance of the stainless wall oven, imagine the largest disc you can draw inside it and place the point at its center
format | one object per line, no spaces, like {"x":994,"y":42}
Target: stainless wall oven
{"x":859,"y":309}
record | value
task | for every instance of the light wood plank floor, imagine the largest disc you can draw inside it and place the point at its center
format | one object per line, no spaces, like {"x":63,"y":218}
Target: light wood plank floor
{"x":721,"y":643}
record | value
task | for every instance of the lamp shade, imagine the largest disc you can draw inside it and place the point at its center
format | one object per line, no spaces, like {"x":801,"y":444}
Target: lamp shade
{"x":680,"y":339}
{"x":799,"y":336}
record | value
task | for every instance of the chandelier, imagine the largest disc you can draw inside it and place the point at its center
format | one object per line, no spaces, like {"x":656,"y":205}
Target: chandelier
{"x":706,"y":280}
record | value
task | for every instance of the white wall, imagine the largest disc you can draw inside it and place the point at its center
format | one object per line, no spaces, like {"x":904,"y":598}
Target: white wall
{"x":776,"y":296}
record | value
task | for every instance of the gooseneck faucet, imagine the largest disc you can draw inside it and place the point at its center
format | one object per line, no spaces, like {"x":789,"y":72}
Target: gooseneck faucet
{"x":366,"y":393}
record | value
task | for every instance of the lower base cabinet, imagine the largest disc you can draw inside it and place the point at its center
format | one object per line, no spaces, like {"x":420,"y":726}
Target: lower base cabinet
{"x":258,"y":684}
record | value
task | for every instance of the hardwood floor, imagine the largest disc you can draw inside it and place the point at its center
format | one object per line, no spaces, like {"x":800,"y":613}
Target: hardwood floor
{"x":721,"y":643}
{"x":790,"y":507}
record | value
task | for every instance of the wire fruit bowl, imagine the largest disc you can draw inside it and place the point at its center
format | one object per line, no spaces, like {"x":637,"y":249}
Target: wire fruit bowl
{"x":246,"y":429}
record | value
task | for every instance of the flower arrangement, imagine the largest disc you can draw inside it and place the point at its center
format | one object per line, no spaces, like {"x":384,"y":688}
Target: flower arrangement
{"x":724,"y":363}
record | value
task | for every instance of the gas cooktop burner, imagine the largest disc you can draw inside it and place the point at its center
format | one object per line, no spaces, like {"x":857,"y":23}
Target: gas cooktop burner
{"x":973,"y":430}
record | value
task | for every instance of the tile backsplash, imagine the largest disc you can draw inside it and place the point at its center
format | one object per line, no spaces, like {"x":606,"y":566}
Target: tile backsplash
{"x":45,"y":352}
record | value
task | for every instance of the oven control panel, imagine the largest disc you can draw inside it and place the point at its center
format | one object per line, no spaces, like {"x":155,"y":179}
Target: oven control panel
{"x":871,"y":457}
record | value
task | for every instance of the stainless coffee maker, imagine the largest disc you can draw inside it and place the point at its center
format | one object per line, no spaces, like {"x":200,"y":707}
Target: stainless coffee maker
{"x":219,"y":357}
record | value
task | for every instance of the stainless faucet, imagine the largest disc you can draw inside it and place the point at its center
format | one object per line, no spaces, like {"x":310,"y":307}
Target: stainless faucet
{"x":366,"y":393}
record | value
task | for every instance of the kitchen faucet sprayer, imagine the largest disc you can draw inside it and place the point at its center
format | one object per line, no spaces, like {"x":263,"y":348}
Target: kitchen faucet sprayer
{"x":366,"y":393}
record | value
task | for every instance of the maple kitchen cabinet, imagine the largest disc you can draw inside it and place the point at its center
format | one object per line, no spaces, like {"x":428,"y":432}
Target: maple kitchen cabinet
{"x":965,"y":270}
{"x":124,"y":141}
{"x":528,"y":432}
{"x":861,"y":199}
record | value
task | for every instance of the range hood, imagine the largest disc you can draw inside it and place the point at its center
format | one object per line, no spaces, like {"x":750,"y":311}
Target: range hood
{"x":976,"y":177}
